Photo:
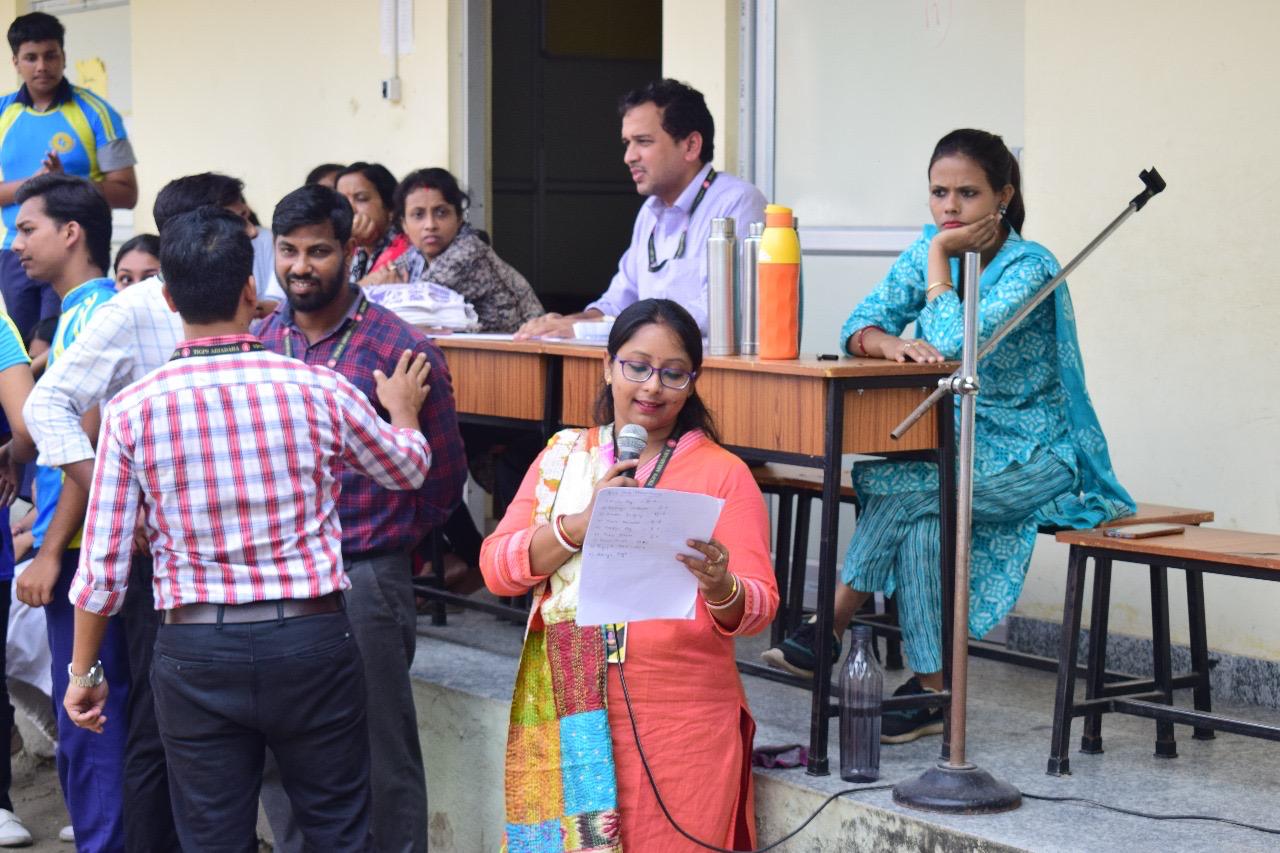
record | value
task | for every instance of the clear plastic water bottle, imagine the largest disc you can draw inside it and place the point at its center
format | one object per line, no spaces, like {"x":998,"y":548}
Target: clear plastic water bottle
{"x":861,"y":694}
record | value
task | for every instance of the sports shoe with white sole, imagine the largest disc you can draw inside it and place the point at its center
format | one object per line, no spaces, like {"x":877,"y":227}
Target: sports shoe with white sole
{"x":795,"y":654}
{"x":906,"y":726}
{"x":12,"y":832}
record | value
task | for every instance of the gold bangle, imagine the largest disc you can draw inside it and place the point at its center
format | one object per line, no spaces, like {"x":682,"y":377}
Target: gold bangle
{"x":727,"y":600}
{"x":936,"y":284}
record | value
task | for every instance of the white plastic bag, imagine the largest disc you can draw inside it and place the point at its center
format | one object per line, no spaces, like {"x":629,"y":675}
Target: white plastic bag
{"x":27,"y":653}
{"x":426,"y":305}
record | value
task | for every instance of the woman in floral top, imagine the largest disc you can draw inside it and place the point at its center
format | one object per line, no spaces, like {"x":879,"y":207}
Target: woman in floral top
{"x":448,"y":251}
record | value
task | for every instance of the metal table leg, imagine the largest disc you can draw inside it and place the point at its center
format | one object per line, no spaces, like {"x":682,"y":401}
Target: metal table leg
{"x":1091,"y":739}
{"x":782,"y":561}
{"x":1069,"y":641}
{"x":1199,"y":648}
{"x":799,"y":561}
{"x":1166,"y":746}
{"x":818,"y":763}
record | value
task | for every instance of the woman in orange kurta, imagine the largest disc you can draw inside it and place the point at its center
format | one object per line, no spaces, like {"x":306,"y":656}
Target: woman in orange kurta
{"x":569,"y":749}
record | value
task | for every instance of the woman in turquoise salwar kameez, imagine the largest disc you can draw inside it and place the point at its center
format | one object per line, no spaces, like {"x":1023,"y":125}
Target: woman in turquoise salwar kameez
{"x":1041,"y":458}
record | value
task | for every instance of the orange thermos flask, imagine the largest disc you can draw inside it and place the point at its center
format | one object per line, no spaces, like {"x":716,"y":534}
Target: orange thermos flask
{"x":778,"y":306}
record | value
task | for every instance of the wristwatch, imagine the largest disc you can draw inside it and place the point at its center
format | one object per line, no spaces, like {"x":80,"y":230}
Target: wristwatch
{"x":92,"y":678}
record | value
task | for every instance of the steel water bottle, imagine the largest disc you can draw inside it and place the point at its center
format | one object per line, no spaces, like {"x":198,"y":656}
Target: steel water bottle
{"x":722,"y":257}
{"x":748,"y":290}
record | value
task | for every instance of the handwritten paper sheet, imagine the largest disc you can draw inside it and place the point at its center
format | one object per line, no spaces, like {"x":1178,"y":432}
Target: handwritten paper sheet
{"x":629,"y":566}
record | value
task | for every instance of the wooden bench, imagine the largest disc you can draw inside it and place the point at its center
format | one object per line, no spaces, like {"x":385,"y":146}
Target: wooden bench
{"x":1196,"y":551}
{"x":803,"y":485}
{"x":1161,"y":514}
{"x":796,"y":487}
{"x":887,"y":623}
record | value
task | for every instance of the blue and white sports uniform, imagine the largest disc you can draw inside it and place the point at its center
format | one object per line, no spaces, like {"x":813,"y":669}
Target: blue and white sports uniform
{"x":77,"y":309}
{"x":85,"y":131}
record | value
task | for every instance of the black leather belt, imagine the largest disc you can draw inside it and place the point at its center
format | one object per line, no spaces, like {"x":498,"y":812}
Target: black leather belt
{"x":254,"y":611}
{"x":373,"y":554}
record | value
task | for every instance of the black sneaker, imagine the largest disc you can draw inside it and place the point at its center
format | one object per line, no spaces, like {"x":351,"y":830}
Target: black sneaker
{"x":906,"y":726}
{"x":795,"y":653}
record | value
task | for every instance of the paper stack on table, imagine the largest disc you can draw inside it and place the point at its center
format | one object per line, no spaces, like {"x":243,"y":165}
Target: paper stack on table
{"x":424,"y":303}
{"x":629,"y":566}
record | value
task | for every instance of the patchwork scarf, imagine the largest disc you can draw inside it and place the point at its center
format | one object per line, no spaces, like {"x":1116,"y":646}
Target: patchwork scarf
{"x":561,"y":789}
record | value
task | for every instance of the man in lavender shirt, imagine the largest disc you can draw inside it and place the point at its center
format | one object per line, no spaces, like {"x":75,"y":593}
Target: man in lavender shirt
{"x":669,"y":139}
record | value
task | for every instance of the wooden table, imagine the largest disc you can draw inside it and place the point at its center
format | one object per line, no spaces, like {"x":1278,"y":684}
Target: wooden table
{"x":779,"y":405}
{"x":502,"y":383}
{"x":804,"y":411}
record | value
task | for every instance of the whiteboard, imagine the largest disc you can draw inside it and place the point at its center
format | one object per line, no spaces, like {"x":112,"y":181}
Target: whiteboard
{"x":865,"y":88}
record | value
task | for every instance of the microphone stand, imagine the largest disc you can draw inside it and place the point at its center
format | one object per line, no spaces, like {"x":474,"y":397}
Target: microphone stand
{"x":954,"y":785}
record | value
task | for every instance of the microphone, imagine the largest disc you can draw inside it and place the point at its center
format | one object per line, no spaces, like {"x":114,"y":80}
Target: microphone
{"x":631,"y":441}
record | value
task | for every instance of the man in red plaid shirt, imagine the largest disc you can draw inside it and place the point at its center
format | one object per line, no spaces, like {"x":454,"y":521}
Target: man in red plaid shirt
{"x":232,"y":454}
{"x":327,"y":322}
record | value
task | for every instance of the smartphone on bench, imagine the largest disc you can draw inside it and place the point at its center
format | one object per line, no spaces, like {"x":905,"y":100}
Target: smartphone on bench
{"x":1143,"y":531}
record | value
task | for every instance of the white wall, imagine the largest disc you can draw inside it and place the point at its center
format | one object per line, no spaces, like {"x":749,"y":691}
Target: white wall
{"x":700,"y":47}
{"x":1176,"y":312}
{"x":266,"y":91}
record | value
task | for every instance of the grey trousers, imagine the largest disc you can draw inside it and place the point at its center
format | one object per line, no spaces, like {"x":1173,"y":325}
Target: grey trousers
{"x":380,"y":605}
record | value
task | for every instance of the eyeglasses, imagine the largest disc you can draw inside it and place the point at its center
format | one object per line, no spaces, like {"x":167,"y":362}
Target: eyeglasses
{"x":670,"y":377}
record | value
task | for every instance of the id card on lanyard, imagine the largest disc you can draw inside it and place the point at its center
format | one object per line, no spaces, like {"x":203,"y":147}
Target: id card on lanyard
{"x":654,"y":265}
{"x":332,"y":362}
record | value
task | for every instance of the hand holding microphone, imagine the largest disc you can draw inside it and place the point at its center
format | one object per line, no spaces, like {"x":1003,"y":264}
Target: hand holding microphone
{"x":631,"y":440}
{"x":630,"y":443}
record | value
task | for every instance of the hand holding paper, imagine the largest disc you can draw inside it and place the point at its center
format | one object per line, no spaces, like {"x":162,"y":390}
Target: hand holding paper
{"x":629,"y":566}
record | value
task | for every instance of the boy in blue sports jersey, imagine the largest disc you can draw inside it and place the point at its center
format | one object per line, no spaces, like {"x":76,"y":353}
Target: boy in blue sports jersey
{"x":64,"y":237}
{"x":49,"y":126}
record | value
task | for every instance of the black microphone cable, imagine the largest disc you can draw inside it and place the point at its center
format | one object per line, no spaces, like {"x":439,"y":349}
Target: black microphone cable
{"x":1152,"y":815}
{"x":626,"y":695}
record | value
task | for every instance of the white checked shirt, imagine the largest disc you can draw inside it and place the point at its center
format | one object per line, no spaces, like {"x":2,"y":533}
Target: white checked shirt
{"x":131,"y":335}
{"x":234,"y":457}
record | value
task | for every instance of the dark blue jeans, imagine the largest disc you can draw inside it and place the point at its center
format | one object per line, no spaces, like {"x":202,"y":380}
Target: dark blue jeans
{"x":90,"y":766}
{"x":225,"y":694}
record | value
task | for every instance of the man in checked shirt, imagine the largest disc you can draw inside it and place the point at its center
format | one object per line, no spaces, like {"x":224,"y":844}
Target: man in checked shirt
{"x":126,"y":338}
{"x":233,"y":456}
